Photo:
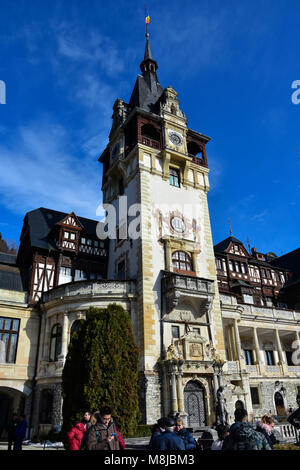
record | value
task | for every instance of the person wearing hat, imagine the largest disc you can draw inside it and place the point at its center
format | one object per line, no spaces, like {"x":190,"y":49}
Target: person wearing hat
{"x":157,"y":429}
{"x":168,"y":440}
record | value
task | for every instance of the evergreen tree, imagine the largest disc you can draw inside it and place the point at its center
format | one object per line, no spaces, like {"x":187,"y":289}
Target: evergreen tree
{"x":102,"y":369}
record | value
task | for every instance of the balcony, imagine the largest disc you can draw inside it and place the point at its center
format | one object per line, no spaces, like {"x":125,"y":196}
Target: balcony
{"x":177,"y":287}
{"x":151,"y":143}
{"x":91,"y":289}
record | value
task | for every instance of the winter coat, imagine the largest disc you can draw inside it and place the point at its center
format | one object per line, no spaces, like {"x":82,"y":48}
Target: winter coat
{"x":121,"y":439}
{"x":167,"y":441}
{"x":266,"y":431}
{"x":75,"y":436}
{"x":157,"y":431}
{"x":20,"y":432}
{"x":11,"y":428}
{"x":243,"y":437}
{"x":186,"y":436}
{"x":98,"y":434}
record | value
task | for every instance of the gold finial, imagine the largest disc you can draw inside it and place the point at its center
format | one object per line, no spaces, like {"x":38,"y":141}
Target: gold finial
{"x":230,"y":227}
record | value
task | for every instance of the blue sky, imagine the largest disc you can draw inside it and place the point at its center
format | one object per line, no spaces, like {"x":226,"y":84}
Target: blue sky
{"x":65,"y":62}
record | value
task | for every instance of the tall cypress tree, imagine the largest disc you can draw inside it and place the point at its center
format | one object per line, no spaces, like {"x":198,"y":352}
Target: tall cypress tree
{"x":101,"y":368}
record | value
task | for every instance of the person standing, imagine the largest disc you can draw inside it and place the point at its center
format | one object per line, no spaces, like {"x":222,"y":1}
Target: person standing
{"x":20,"y":432}
{"x":266,"y":426}
{"x":223,"y":431}
{"x":87,"y":420}
{"x":103,"y":434}
{"x":76,"y":435}
{"x":186,"y":436}
{"x":11,"y":428}
{"x":157,"y":429}
{"x":242,"y":435}
{"x":168,"y":440}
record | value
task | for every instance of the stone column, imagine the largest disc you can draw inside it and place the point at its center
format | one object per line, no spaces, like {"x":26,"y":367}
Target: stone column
{"x":165,"y":390}
{"x":279,"y":348}
{"x":64,"y":343}
{"x":46,"y":351}
{"x":256,"y":345}
{"x":174,"y":405}
{"x":233,"y":342}
{"x":180,"y":397}
{"x":237,"y":341}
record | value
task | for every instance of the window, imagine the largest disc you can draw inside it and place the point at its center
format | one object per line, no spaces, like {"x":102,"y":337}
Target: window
{"x":269,"y":358}
{"x":75,"y":327}
{"x":83,"y":241}
{"x":89,"y":242}
{"x":243,"y":266}
{"x":248,"y":357}
{"x":219,"y":264}
{"x":46,"y":407}
{"x":174,"y":177}
{"x":197,"y":331}
{"x":121,"y":187}
{"x":66,"y":234}
{"x":96,"y":243}
{"x":9,"y":332}
{"x":254,"y":395}
{"x":121,"y":271}
{"x":182,"y":261}
{"x":289,"y":355}
{"x":248,"y":299}
{"x":175,"y":331}
{"x":72,"y":236}
{"x":231,"y":265}
{"x":237,"y":267}
{"x":269,"y":302}
{"x":80,"y":275}
{"x":65,"y":275}
{"x":55,"y":342}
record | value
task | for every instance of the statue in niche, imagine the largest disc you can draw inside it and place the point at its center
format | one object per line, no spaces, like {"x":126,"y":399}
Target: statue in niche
{"x":221,"y":408}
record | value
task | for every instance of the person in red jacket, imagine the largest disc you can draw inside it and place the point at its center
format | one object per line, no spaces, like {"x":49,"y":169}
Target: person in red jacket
{"x":75,"y":436}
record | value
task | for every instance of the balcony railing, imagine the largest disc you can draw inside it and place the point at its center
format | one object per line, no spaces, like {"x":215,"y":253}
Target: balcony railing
{"x":90,"y":288}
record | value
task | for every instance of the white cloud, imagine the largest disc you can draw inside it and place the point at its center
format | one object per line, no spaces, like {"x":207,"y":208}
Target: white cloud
{"x":38,"y":170}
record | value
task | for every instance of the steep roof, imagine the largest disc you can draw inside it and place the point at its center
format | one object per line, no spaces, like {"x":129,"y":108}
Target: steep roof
{"x":223,"y":245}
{"x":11,"y":278}
{"x":42,"y":220}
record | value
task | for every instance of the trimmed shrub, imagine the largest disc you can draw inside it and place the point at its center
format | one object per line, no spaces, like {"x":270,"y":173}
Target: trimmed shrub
{"x":101,"y":368}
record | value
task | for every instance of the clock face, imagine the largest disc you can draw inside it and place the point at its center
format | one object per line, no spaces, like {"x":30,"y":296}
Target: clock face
{"x":175,"y":138}
{"x":177,"y":224}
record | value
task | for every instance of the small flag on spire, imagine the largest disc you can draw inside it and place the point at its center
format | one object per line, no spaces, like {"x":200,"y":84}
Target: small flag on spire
{"x":147,"y":17}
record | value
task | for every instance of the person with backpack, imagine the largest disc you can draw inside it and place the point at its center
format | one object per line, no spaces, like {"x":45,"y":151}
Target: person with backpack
{"x":242,"y":435}
{"x":103,"y":434}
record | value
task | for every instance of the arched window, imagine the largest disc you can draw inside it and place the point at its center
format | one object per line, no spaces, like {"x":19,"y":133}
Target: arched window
{"x":182,"y":260}
{"x":75,"y":327}
{"x":55,"y":342}
{"x":46,"y":406}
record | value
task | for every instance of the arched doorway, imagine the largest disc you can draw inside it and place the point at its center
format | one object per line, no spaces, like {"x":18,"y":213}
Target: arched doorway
{"x":11,"y":400}
{"x":279,"y":404}
{"x":194,"y":404}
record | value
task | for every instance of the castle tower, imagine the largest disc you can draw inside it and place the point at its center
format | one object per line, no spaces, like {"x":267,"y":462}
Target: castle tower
{"x":155,"y":175}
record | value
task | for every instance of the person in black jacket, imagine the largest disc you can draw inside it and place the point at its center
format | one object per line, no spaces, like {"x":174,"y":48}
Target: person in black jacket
{"x":11,"y":428}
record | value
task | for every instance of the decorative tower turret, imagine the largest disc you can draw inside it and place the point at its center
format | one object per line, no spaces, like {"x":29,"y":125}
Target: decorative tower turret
{"x":155,"y":172}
